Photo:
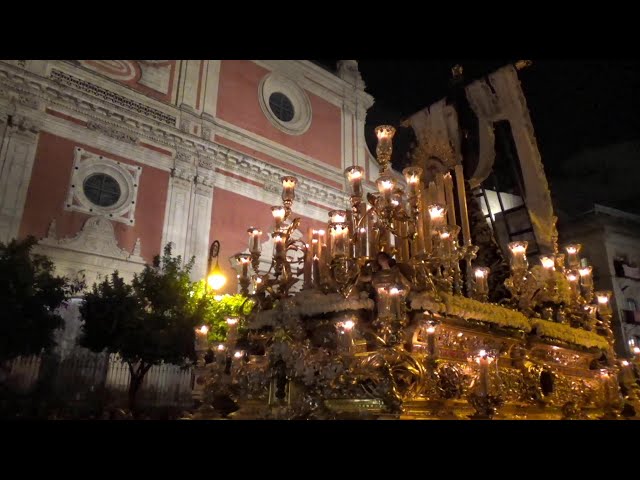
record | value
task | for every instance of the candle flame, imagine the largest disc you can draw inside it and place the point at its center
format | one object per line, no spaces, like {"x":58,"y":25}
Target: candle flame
{"x":394,"y":291}
{"x":289,"y":182}
{"x":547,"y":262}
{"x":518,"y":247}
{"x":603,"y":299}
{"x":354,"y":173}
{"x":278,"y":212}
{"x":386,"y":184}
{"x":572,"y":277}
{"x":480,"y":273}
{"x":436,"y":211}
{"x":220,"y":347}
{"x":203,"y":329}
{"x":585,"y":271}
{"x":572,"y":249}
{"x":625,"y":363}
{"x":348,"y":325}
{"x":431,"y":330}
{"x":237,"y":354}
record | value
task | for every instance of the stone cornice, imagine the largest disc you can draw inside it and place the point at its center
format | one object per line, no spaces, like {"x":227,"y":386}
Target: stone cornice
{"x":35,"y":92}
{"x":334,"y":88}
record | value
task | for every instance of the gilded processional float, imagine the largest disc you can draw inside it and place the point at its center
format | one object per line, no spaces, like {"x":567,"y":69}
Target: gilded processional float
{"x":388,"y":312}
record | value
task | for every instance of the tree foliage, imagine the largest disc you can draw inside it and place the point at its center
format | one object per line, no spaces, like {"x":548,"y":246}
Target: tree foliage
{"x":219,"y":308}
{"x":151,"y":321}
{"x":30,"y":293}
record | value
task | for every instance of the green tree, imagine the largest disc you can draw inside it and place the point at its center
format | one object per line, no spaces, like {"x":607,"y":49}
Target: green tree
{"x":29,"y":295}
{"x":219,"y":308}
{"x":151,"y":321}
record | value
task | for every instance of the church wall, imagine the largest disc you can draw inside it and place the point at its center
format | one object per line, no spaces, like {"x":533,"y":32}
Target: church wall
{"x":238,"y":103}
{"x":49,"y":187}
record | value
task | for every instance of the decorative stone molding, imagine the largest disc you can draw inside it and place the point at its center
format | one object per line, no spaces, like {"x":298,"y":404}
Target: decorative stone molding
{"x":348,"y":71}
{"x":212,"y":155}
{"x":301,"y":120}
{"x":97,"y":237}
{"x":128,"y":176}
{"x":111,"y":97}
{"x":111,"y":132}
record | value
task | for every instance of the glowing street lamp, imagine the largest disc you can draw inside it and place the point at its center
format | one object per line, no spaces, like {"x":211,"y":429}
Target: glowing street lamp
{"x":216,"y":278}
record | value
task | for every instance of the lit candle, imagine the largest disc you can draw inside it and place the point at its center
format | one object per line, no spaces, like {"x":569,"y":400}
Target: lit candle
{"x":462,"y":204}
{"x":572,"y":277}
{"x":288,"y":189}
{"x":573,"y":251}
{"x":386,"y":184}
{"x":346,"y":331}
{"x":385,"y":134}
{"x":254,"y":240}
{"x":354,"y":176}
{"x":278,"y":215}
{"x":337,"y":216}
{"x":445,"y":241}
{"x":232,"y":332}
{"x":481,"y":275}
{"x":412,"y":176}
{"x":383,"y":304}
{"x":220,"y":355}
{"x":362,"y":243}
{"x":519,"y":255}
{"x":278,"y":244}
{"x":448,"y":190}
{"x":548,"y":263}
{"x":604,"y":302}
{"x":586,"y":282}
{"x":437,"y":216}
{"x":396,"y":297}
{"x":339,"y":233}
{"x":483,"y":360}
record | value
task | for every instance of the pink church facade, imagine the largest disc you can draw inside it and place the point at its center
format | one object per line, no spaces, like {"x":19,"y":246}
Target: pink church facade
{"x":107,"y":161}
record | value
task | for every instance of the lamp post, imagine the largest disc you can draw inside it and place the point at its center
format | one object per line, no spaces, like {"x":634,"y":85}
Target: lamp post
{"x":216,"y":278}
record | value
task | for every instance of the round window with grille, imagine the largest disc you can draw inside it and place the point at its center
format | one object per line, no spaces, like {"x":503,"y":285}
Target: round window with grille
{"x":102,"y":190}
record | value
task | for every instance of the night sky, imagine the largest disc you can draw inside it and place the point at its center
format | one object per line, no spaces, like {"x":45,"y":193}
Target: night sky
{"x":577,"y":108}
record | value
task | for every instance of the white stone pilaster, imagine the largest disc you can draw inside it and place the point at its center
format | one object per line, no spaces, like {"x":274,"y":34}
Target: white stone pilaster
{"x":190,"y":77}
{"x":17,"y":154}
{"x":210,"y":104}
{"x":177,"y":210}
{"x":199,"y":226}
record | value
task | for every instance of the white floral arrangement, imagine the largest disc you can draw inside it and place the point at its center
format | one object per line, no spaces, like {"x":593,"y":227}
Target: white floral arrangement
{"x":310,"y":302}
{"x":470,"y":309}
{"x":569,"y":334}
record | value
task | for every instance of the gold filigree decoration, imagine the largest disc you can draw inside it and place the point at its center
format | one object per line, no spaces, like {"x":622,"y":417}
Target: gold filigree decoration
{"x":433,"y":156}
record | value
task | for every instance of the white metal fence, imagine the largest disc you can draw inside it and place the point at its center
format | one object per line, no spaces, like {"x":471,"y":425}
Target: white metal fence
{"x":79,"y":373}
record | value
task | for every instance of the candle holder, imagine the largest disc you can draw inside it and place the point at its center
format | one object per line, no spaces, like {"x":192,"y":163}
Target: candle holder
{"x":288,"y":193}
{"x":384,"y":148}
{"x":354,"y":176}
{"x":605,"y":313}
{"x":431,"y":326}
{"x":573,"y":252}
{"x":586,"y":283}
{"x":255,"y":247}
{"x":480,"y":397}
{"x":279,"y":214}
{"x":386,"y":185}
{"x":241,"y":262}
{"x":481,"y":290}
{"x":345,"y":336}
